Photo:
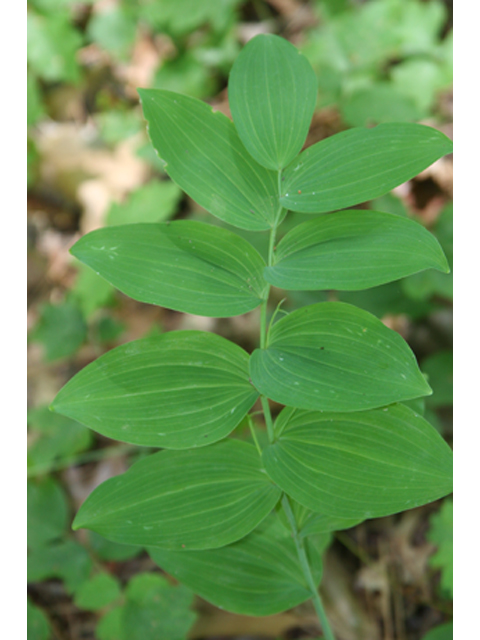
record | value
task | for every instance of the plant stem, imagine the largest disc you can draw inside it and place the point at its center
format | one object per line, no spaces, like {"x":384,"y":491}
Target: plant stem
{"x":263,"y":322}
{"x":254,"y":435}
{"x":307,"y":572}
{"x":264,"y":333}
{"x":299,"y":542}
{"x":268,"y":418}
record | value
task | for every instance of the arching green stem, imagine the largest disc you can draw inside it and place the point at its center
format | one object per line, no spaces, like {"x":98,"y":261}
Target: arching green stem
{"x":307,"y":572}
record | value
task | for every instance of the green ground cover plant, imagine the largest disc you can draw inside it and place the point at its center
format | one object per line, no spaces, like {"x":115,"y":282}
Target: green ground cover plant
{"x":244,"y":523}
{"x":382,"y":60}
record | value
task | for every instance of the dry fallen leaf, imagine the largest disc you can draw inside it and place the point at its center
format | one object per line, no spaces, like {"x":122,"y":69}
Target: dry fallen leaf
{"x":72,"y":164}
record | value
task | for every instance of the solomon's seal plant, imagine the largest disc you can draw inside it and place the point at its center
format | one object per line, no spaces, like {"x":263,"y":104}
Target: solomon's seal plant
{"x":244,"y":525}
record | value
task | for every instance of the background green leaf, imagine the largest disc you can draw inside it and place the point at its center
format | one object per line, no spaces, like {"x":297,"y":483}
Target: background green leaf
{"x":442,"y":632}
{"x":111,"y":551}
{"x":91,"y":292}
{"x":352,"y":250}
{"x":153,"y":609}
{"x":184,"y":265}
{"x":38,"y":627}
{"x":156,"y":201}
{"x":45,"y":496}
{"x":196,"y":499}
{"x":377,"y":103}
{"x":98,"y":592}
{"x":52,"y":44}
{"x":257,"y":576}
{"x":53,"y":437}
{"x":156,"y":607}
{"x":113,"y":30}
{"x":360,"y":465}
{"x":178,"y":390}
{"x":272,"y":86}
{"x":332,"y":356}
{"x":202,"y":149}
{"x":439,"y":370}
{"x":61,"y":329}
{"x":358,"y":165}
{"x":65,"y":560}
{"x":441,"y":535}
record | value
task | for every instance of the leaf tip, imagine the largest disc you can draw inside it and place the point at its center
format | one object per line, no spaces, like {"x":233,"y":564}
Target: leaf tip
{"x":80,"y":521}
{"x":77,"y":523}
{"x":142,"y":93}
{"x":428,"y":391}
{"x":445,"y":268}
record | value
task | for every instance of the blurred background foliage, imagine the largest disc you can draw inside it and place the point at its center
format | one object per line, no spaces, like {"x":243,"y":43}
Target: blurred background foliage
{"x":90,"y":164}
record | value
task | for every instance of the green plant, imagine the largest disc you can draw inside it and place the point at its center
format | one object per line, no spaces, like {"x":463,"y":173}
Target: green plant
{"x":381,"y":60}
{"x":243,"y":525}
{"x":441,"y":534}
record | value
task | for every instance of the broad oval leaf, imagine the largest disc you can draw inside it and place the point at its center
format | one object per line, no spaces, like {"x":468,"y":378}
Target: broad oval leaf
{"x":178,"y":390}
{"x":357,"y":165}
{"x":332,"y":356}
{"x":196,"y":499}
{"x":352,"y":250}
{"x":184,"y":265}
{"x":207,"y":159}
{"x":257,"y":576}
{"x":272,"y":93}
{"x":362,"y":465}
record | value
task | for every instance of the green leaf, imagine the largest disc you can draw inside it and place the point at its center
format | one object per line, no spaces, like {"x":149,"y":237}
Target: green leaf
{"x":442,"y":632}
{"x":156,"y":609}
{"x":54,"y":436}
{"x":177,"y":390}
{"x":66,"y":560}
{"x":207,"y":159}
{"x":439,"y":370}
{"x":419,"y":80}
{"x":183,"y":16}
{"x":52,"y":44}
{"x":316,"y":526}
{"x":257,"y":576}
{"x":183,"y":265}
{"x":332,"y":356}
{"x":272,"y":93}
{"x":187,"y":74}
{"x":352,"y":250}
{"x":153,"y":609}
{"x":361,"y":465}
{"x":38,"y":627}
{"x":357,"y":165}
{"x":154,"y":202}
{"x":97,"y":592}
{"x":441,"y":535}
{"x":111,"y":551}
{"x":116,"y":125}
{"x":91,"y":292}
{"x":319,"y":523}
{"x":195,"y":499}
{"x":376,"y":103}
{"x":61,"y":329}
{"x":110,"y":626}
{"x":45,"y":496}
{"x":114,"y":30}
{"x":300,"y":512}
